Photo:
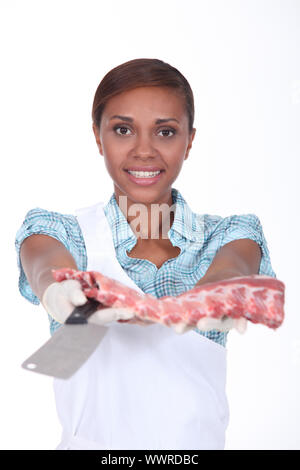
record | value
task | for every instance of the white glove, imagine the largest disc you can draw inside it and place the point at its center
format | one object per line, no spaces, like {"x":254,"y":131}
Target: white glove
{"x":207,"y":324}
{"x":60,"y":299}
{"x":110,"y":314}
{"x":225,"y":324}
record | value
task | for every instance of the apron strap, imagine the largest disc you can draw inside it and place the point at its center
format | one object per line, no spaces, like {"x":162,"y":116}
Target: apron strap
{"x":100,"y":249}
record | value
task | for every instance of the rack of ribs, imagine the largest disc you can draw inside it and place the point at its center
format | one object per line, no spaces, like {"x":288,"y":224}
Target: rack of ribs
{"x":216,"y":305}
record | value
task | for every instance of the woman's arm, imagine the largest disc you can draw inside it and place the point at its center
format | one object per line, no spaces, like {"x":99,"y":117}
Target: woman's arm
{"x":39,"y":255}
{"x":237,"y":258}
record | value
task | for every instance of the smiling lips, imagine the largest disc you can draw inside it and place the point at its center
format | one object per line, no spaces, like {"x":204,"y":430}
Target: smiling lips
{"x":144,"y":175}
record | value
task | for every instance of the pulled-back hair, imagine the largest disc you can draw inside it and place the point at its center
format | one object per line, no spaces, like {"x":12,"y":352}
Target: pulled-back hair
{"x":138,"y":73}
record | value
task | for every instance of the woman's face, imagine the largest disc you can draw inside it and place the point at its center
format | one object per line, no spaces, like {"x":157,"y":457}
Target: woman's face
{"x":130,"y":138}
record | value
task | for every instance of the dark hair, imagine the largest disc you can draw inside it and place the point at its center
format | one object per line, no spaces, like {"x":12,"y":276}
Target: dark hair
{"x":137,"y":73}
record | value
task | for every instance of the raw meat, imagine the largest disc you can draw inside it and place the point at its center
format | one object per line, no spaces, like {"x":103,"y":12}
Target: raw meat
{"x":257,"y":298}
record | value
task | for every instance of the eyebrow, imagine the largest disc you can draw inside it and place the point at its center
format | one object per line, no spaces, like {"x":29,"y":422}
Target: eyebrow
{"x":129,"y":119}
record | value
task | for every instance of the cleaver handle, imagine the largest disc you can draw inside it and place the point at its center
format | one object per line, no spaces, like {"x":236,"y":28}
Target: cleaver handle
{"x":81,"y":313}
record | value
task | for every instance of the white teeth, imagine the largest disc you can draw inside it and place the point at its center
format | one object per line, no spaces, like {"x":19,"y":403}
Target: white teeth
{"x":144,"y":174}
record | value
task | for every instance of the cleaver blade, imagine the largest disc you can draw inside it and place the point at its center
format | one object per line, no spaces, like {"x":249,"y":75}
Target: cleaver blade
{"x":70,"y":346}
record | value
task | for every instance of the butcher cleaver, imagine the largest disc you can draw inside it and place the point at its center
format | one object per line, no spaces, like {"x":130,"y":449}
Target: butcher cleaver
{"x":71,"y":345}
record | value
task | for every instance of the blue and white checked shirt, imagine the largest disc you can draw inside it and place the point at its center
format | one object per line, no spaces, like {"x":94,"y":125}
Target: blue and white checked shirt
{"x":198,"y":236}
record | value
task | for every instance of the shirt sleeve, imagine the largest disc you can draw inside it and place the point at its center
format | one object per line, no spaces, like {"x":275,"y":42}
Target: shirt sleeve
{"x":248,"y":226}
{"x":64,"y":228}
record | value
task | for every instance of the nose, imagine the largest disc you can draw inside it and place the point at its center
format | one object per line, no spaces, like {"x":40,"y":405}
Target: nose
{"x":144,"y":147}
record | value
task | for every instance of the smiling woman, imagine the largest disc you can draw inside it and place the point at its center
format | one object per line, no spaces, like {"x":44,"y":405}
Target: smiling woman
{"x":143,"y":388}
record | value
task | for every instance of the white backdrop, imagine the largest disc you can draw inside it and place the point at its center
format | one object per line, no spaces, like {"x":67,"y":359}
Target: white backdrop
{"x":242,"y":61}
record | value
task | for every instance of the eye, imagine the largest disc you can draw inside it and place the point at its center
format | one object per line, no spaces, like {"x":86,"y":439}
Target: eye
{"x":168,"y":130}
{"x":121,"y":127}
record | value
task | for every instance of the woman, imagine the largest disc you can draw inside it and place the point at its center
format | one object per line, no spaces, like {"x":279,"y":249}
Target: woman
{"x":143,"y":388}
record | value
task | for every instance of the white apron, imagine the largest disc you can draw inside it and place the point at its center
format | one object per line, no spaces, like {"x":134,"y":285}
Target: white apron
{"x":143,"y":387}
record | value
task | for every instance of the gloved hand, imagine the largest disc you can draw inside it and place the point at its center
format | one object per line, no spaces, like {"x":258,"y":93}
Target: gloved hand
{"x":60,"y":299}
{"x":222,"y":324}
{"x":107,"y":291}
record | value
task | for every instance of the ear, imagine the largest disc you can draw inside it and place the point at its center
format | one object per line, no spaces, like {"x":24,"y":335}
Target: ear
{"x":191,"y":138}
{"x":96,"y":131}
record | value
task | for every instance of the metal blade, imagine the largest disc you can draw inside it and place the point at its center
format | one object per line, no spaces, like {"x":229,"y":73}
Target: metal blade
{"x":70,"y":346}
{"x":66,"y":351}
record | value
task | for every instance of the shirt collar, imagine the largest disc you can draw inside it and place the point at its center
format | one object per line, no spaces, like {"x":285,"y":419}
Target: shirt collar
{"x":184,"y":224}
{"x":184,"y":220}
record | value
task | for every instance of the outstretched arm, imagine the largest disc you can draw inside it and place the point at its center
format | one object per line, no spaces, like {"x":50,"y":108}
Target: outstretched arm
{"x":237,"y":258}
{"x":39,"y":255}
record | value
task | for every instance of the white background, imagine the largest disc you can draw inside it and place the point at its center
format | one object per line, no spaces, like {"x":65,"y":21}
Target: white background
{"x":241,"y":59}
